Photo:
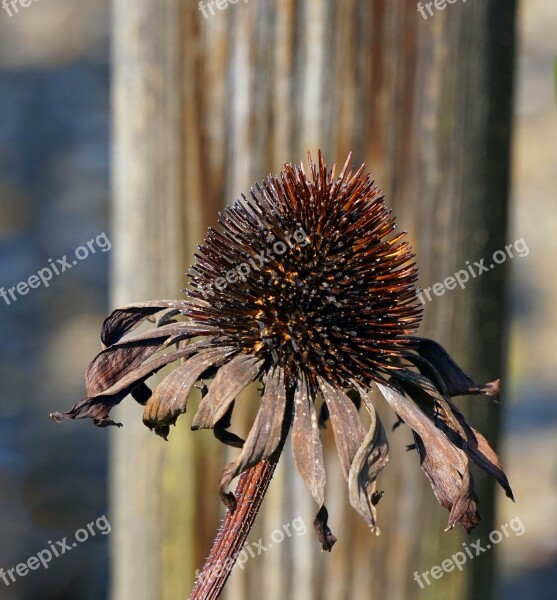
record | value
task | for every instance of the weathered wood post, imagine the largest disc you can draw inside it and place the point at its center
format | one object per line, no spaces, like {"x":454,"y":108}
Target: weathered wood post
{"x":206,"y":106}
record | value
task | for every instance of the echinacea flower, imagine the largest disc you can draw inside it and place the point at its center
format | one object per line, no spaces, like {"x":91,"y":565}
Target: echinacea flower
{"x":307,"y":289}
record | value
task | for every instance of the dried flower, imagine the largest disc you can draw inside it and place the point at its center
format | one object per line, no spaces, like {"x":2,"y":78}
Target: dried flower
{"x":308,"y":290}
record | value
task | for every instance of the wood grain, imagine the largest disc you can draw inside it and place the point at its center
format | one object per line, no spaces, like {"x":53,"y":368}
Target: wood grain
{"x":203,"y":108}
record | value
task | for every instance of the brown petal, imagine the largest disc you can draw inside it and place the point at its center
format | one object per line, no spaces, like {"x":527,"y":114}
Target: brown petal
{"x":451,"y":421}
{"x":347,"y":428}
{"x":370,"y":459}
{"x":445,"y":465}
{"x":265,"y":434}
{"x":229,"y":381}
{"x":483,"y":454}
{"x":99,"y":406}
{"x":431,"y":401}
{"x":324,"y":534}
{"x":124,"y":319}
{"x":222,"y":433}
{"x":113,"y":363}
{"x":170,"y":397}
{"x":454,"y":378}
{"x":306,"y":444}
{"x":146,"y":370}
{"x":90,"y":408}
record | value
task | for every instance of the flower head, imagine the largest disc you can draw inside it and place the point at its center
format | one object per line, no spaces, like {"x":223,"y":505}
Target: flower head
{"x":308,"y":289}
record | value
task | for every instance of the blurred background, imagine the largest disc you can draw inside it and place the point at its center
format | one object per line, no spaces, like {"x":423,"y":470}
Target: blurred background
{"x":57,"y":61}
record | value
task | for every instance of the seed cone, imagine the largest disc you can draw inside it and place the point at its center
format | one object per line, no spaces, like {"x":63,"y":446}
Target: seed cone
{"x":308,"y":275}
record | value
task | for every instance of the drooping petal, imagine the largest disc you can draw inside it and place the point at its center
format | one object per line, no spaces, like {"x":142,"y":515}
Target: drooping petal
{"x":98,"y":407}
{"x":222,"y":433}
{"x":321,"y":526}
{"x":483,"y":454}
{"x":229,"y":381}
{"x":454,"y":378}
{"x":90,"y":408}
{"x":122,"y":320}
{"x":133,"y":378}
{"x":114,"y":362}
{"x":170,"y":397}
{"x":347,"y":428}
{"x":306,"y":443}
{"x":431,"y":401}
{"x":445,"y":465}
{"x":462,"y":506}
{"x":452,"y":422}
{"x":370,"y":459}
{"x":266,"y":433}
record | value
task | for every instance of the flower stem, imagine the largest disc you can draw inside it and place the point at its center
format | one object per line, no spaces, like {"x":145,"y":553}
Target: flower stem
{"x":250,"y":491}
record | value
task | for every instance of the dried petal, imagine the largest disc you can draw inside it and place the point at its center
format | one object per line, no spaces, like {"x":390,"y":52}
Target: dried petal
{"x":230,"y":380}
{"x":120,"y":359}
{"x":170,"y":397}
{"x":324,"y":534}
{"x":347,"y":428}
{"x":432,"y":402}
{"x":445,"y":465}
{"x":138,"y":375}
{"x":454,"y":378}
{"x":124,"y":319}
{"x":483,"y":454}
{"x":90,"y":408}
{"x":266,"y":433}
{"x":372,"y":456}
{"x":99,"y":406}
{"x":306,"y":443}
{"x":451,"y":421}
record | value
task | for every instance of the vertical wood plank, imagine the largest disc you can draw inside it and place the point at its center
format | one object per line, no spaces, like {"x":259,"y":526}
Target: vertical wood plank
{"x":206,"y":107}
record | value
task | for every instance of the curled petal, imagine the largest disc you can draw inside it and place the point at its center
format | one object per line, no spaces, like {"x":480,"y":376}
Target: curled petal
{"x":229,"y":381}
{"x":370,"y":459}
{"x":483,"y":454}
{"x":133,"y":378}
{"x":347,"y":428}
{"x":445,"y":465}
{"x":265,"y":435}
{"x":324,"y":534}
{"x":306,"y":443}
{"x":170,"y":397}
{"x":222,"y":433}
{"x":98,"y":407}
{"x":431,"y":401}
{"x":90,"y":408}
{"x":118,"y":360}
{"x":462,"y":506}
{"x":122,"y":320}
{"x":451,"y":421}
{"x":454,"y":378}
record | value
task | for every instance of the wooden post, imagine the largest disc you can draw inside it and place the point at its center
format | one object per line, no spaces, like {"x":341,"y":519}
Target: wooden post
{"x":203,"y":108}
